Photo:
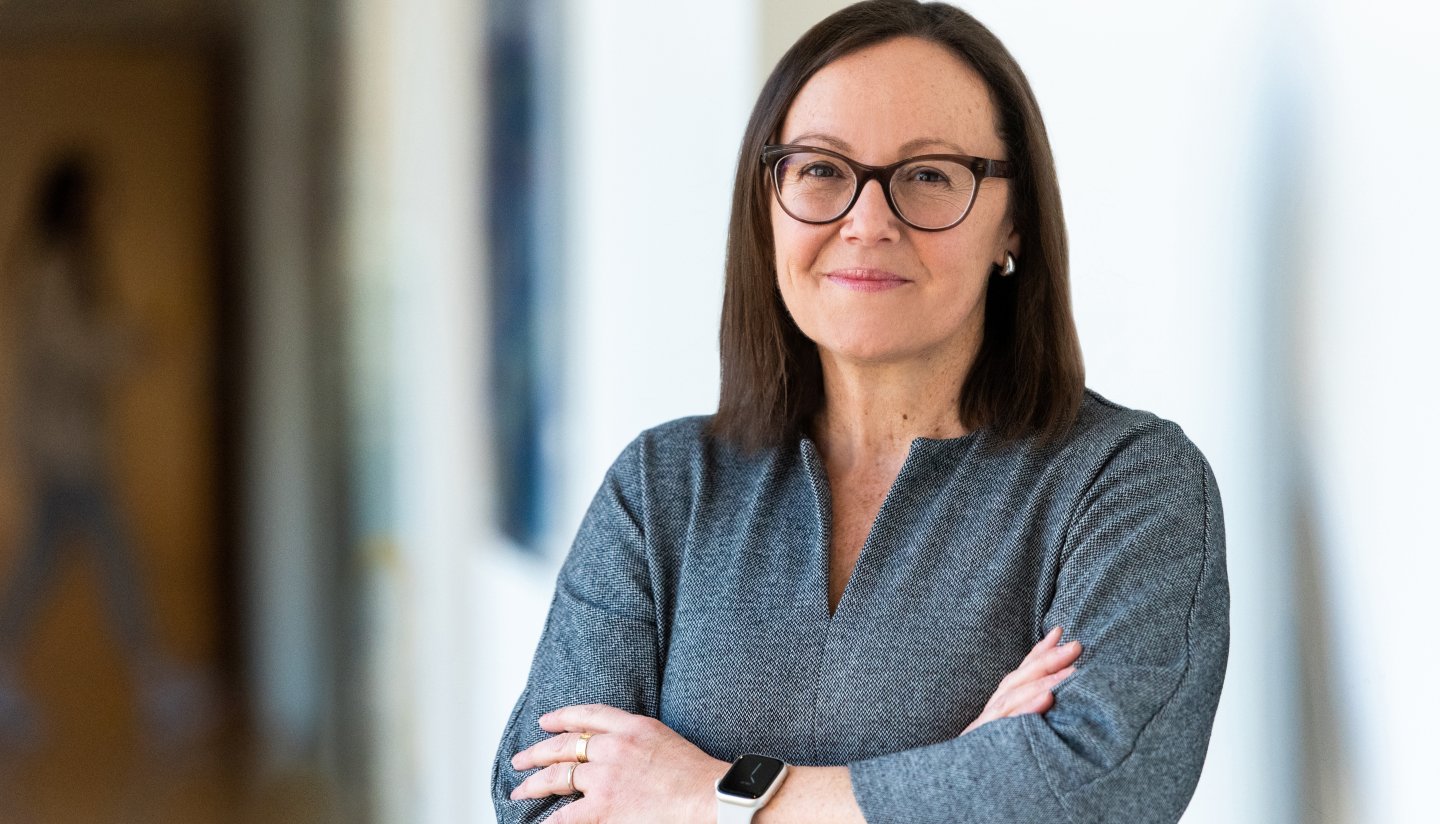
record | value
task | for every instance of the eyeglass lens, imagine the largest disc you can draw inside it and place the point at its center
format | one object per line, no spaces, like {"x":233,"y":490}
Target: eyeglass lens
{"x":930,"y":194}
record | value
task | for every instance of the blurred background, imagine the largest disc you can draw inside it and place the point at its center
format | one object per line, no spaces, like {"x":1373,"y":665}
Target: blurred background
{"x":320,"y":321}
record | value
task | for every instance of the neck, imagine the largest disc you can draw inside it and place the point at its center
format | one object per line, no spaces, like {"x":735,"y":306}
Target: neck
{"x":872,"y":412}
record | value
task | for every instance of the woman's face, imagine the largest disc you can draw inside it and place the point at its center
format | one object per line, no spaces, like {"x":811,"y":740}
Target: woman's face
{"x":867,"y":288}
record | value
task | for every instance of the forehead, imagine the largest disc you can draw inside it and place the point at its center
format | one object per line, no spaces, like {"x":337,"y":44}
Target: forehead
{"x":883,"y":96}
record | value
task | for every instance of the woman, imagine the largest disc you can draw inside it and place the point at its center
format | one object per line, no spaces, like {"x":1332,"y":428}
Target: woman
{"x":861,"y":566}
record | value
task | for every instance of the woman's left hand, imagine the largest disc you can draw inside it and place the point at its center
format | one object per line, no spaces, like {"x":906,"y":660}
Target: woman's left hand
{"x":1029,"y":688}
{"x":636,"y":769}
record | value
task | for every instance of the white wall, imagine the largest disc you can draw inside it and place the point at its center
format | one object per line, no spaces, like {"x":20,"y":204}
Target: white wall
{"x":412,"y":161}
{"x":1369,"y":339}
{"x":781,"y":23}
{"x":644,"y":257}
{"x":643,"y":273}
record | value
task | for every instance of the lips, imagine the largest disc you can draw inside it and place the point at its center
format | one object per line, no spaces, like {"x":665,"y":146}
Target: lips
{"x":865,"y":280}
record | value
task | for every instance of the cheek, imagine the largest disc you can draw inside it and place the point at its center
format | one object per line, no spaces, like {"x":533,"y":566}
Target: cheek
{"x":780,"y":231}
{"x":797,"y":245}
{"x":796,"y":252}
{"x":974,"y":246}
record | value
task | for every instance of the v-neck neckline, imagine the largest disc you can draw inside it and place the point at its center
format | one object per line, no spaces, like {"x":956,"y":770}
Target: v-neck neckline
{"x":917,"y":455}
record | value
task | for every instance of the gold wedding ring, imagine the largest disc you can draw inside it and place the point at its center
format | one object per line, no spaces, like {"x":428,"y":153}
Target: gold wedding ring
{"x":582,"y":744}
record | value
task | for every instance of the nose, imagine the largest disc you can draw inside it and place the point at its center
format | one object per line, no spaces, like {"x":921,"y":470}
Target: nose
{"x":870,"y":220}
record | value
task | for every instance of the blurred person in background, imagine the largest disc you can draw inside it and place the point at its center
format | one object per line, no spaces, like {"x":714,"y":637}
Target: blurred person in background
{"x":73,"y":348}
{"x":912,"y":569}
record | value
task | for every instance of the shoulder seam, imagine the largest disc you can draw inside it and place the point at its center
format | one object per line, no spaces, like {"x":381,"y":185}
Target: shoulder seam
{"x":1124,"y":443}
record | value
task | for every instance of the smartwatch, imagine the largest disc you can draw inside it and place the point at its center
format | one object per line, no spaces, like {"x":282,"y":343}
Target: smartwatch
{"x":748,"y":786}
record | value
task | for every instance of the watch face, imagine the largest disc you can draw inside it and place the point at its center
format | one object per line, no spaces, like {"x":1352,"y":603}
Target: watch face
{"x":751,"y":776}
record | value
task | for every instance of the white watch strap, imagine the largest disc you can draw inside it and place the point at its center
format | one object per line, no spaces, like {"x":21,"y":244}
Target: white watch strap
{"x":733,"y":813}
{"x":727,"y":813}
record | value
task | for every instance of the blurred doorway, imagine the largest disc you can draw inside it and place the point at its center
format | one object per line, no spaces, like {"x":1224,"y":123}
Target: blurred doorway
{"x":127,"y":696}
{"x":111,"y":595}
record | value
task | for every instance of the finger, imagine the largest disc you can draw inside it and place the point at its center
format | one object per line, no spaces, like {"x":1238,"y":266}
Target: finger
{"x":555,"y":749}
{"x":1058,"y":657}
{"x":1044,"y":648}
{"x":1063,"y":655}
{"x":1031,"y":670}
{"x":1044,"y":644}
{"x":536,"y":755}
{"x":576,"y":812}
{"x":1037,"y":697}
{"x":553,"y":780}
{"x":585,"y":718}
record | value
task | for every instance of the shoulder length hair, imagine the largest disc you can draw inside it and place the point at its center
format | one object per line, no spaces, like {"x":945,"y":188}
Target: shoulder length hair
{"x":1027,"y":378}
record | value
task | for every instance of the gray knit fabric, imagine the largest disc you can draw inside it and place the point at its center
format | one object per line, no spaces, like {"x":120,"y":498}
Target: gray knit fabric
{"x":696,"y":592}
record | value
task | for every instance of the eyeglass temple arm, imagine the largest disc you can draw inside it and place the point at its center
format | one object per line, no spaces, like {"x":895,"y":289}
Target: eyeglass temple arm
{"x":997,"y":168}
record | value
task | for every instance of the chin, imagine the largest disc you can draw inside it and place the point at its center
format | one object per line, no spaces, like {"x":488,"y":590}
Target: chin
{"x":874,"y":350}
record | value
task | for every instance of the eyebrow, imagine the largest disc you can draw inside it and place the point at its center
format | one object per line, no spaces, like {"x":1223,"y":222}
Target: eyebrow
{"x":907,"y":148}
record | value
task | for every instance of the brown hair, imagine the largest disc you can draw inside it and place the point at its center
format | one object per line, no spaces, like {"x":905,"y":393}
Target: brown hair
{"x":1027,"y":377}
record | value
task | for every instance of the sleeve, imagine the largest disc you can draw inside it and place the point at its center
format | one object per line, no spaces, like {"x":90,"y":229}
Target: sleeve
{"x":599,"y":642}
{"x":1142,"y":586}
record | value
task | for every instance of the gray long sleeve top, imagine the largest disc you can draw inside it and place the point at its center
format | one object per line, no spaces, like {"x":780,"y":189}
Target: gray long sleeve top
{"x":696,"y":593}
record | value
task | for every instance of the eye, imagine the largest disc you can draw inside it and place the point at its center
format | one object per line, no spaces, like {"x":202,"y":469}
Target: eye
{"x":819,"y":168}
{"x":927,"y":174}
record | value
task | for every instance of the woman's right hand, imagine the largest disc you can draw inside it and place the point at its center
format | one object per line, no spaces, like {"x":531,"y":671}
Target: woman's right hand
{"x":1028,"y":687}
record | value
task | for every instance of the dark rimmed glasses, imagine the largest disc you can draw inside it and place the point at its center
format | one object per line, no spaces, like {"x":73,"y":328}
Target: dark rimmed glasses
{"x":930,"y":192}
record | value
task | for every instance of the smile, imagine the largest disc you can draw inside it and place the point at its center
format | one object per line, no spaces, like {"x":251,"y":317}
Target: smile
{"x":865,"y":280}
